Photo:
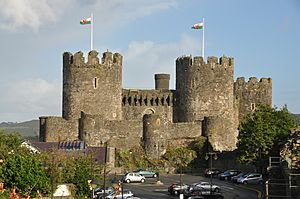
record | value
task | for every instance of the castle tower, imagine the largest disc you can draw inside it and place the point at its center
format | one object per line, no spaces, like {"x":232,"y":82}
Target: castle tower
{"x":162,"y":81}
{"x":93,"y":87}
{"x":153,"y":138}
{"x":252,"y":93}
{"x":203,"y":89}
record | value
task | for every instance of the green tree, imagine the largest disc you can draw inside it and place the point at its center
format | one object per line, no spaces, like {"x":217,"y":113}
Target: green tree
{"x":25,"y":171}
{"x":8,"y":143}
{"x":262,"y":134}
{"x":180,"y":157}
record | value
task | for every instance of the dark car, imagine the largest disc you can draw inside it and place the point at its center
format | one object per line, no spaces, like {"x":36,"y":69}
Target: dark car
{"x":211,"y":172}
{"x":176,"y":188}
{"x":227,"y":175}
{"x":146,"y":173}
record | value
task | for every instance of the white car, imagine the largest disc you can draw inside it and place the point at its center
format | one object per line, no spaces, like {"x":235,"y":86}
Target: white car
{"x":114,"y":195}
{"x":134,"y":177}
{"x":205,"y":186}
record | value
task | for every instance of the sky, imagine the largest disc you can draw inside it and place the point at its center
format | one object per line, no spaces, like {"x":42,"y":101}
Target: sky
{"x":263,"y":36}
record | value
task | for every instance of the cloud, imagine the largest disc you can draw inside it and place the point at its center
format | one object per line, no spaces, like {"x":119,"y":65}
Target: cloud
{"x":17,"y":14}
{"x":143,"y":59}
{"x":29,"y":99}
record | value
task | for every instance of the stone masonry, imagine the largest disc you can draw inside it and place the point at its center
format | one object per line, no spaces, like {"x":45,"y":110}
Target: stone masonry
{"x":206,"y":102}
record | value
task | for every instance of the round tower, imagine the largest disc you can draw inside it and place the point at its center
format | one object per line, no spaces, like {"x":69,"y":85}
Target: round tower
{"x":93,"y":87}
{"x":162,"y":81}
{"x":203,"y":89}
{"x":154,"y":142}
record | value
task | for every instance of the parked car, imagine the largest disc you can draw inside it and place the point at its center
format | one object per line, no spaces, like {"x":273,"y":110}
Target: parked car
{"x":201,"y":193}
{"x":133,"y":177}
{"x":176,"y":188}
{"x":146,"y":173}
{"x":211,"y":172}
{"x":205,"y":186}
{"x":235,"y":178}
{"x":251,"y":178}
{"x":228,"y":174}
{"x":115,"y":195}
{"x":99,"y":192}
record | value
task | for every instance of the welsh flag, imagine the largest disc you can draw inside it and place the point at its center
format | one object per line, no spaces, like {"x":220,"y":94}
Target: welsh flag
{"x":198,"y":26}
{"x":86,"y":21}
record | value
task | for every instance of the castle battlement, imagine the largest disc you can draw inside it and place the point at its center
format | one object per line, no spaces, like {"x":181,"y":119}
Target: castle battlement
{"x":78,"y":59}
{"x":253,"y":81}
{"x":212,"y":62}
{"x":147,"y":98}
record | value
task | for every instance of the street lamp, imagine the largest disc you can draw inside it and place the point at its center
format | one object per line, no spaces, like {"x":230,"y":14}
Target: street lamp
{"x":211,"y":155}
{"x":94,"y":184}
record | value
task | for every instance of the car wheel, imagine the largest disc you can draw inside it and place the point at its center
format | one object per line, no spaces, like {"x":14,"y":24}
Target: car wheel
{"x":128,"y":181}
{"x":245,"y":182}
{"x":155,"y":175}
{"x":217,"y":190}
{"x":142,"y":180}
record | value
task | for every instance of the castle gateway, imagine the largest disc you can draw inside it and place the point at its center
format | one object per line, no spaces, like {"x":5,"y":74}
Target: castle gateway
{"x":206,"y":102}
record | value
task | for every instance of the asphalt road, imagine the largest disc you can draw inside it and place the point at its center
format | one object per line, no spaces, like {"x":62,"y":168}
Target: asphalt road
{"x":151,"y":190}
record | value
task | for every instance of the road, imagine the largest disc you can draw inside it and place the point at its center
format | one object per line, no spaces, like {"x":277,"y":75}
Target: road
{"x":151,"y":190}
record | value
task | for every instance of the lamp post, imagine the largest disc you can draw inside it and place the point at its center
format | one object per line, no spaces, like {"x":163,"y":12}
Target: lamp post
{"x":211,"y":155}
{"x":94,"y":183}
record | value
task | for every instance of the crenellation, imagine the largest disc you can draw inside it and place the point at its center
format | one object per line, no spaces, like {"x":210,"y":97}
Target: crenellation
{"x":78,"y":59}
{"x":240,"y":80}
{"x":212,"y":60}
{"x":253,"y":80}
{"x":117,"y":59}
{"x":93,"y":58}
{"x":198,"y":61}
{"x":97,"y":109}
{"x":107,"y":58}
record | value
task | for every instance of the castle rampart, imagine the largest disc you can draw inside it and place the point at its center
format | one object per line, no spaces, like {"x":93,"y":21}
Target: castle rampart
{"x":252,"y":93}
{"x":97,"y":110}
{"x":53,"y":129}
{"x":203,"y":89}
{"x":92,"y":87}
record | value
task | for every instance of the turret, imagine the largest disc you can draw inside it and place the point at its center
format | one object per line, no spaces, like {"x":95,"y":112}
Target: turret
{"x":91,"y":86}
{"x":162,"y":81}
{"x":203,"y":89}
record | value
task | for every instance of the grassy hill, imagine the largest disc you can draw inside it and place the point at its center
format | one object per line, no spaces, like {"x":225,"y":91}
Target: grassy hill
{"x":25,"y":129}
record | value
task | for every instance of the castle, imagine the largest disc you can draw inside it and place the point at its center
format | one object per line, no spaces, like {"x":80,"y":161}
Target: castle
{"x":206,"y":102}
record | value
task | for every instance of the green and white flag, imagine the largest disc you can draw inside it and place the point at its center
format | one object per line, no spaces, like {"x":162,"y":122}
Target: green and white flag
{"x":86,"y":21}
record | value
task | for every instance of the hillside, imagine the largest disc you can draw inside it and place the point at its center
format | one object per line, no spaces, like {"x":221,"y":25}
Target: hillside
{"x":25,"y":129}
{"x":297,"y":118}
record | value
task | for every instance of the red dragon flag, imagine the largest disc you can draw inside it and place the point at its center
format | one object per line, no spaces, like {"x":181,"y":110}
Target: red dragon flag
{"x":86,"y":21}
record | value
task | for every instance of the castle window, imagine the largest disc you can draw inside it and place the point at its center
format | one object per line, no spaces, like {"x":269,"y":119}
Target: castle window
{"x":95,"y":82}
{"x":252,"y":106}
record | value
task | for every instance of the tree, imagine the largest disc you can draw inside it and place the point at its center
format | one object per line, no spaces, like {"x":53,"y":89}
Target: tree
{"x":25,"y":171}
{"x":262,"y":133}
{"x":8,"y":143}
{"x":180,"y":157}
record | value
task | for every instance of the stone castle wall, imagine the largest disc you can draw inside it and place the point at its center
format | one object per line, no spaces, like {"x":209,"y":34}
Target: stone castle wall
{"x":55,"y":129}
{"x":252,"y":93}
{"x":91,"y":86}
{"x":98,"y":110}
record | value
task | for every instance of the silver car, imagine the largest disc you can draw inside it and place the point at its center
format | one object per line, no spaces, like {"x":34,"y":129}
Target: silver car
{"x":251,"y":178}
{"x":206,"y":186}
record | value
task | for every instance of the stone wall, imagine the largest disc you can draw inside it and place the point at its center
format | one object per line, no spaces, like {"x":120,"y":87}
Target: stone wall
{"x":91,"y":86}
{"x":55,"y":129}
{"x":252,"y":93}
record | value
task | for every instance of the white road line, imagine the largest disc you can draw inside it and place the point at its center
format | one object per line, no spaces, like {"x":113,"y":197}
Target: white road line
{"x":225,"y":187}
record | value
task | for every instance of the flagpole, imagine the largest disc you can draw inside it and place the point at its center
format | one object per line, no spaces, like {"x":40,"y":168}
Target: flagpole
{"x":92,"y":24}
{"x":203,"y":40}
